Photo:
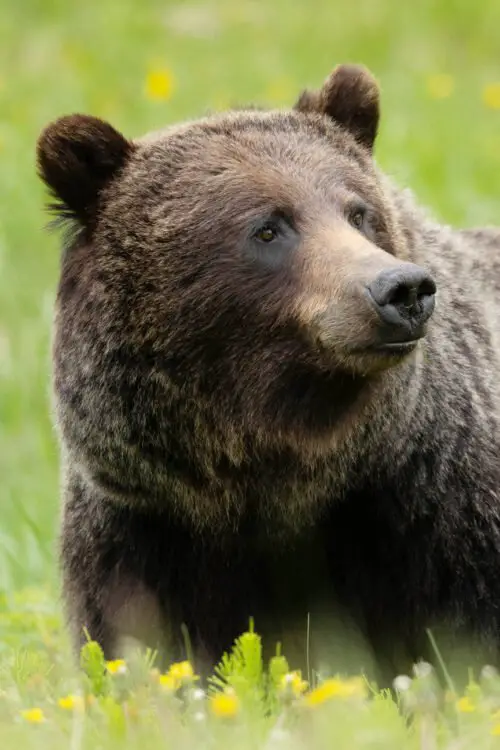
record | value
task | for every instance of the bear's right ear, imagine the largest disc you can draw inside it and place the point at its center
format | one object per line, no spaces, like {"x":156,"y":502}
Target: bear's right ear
{"x":350,"y":96}
{"x":77,"y":156}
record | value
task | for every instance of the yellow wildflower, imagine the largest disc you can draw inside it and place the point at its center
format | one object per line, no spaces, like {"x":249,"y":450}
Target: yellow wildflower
{"x":33,"y":715}
{"x":182,"y":670}
{"x":335,"y":688}
{"x":167,"y":682}
{"x":491,"y":96}
{"x":224,"y":705}
{"x":71,"y":703}
{"x":159,"y":85}
{"x":117,"y":666}
{"x":293,"y":682}
{"x":440,"y":85}
{"x":495,"y":730}
{"x":178,"y":674}
{"x":465,"y":705}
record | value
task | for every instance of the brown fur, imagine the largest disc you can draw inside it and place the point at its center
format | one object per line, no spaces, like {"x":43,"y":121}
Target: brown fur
{"x":230,"y":445}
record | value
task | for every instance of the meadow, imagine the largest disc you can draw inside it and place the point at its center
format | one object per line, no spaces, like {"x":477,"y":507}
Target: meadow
{"x":141,"y":66}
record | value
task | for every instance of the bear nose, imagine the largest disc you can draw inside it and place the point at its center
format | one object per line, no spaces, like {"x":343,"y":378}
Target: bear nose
{"x":404,"y":297}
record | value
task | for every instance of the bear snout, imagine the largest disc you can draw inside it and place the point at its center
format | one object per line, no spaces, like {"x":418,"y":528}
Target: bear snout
{"x":378,"y":319}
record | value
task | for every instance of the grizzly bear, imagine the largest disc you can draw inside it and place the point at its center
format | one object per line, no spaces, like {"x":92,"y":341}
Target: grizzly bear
{"x":276,"y":390}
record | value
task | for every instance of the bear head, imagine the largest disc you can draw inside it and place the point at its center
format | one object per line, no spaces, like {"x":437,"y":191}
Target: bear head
{"x":244,"y":279}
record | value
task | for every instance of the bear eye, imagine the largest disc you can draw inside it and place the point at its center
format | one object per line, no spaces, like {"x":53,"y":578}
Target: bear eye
{"x":357,"y":217}
{"x":271,"y":239}
{"x":266,"y":233}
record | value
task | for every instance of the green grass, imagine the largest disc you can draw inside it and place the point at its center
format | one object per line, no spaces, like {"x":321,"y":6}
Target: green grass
{"x":58,"y":57}
{"x":247,"y":704}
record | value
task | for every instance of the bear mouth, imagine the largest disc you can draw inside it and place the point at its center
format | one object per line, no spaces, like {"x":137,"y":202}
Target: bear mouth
{"x":398,"y":348}
{"x":383,"y":354}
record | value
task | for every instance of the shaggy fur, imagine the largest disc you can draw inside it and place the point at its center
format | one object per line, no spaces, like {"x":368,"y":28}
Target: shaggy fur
{"x":230,"y":446}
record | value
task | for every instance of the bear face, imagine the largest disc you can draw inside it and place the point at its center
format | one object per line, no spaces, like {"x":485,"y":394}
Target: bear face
{"x":235,"y":287}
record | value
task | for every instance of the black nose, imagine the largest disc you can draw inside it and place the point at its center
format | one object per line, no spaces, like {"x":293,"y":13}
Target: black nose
{"x":404,"y":298}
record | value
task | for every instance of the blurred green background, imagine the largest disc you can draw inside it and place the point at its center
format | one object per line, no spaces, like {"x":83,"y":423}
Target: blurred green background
{"x":144,"y":64}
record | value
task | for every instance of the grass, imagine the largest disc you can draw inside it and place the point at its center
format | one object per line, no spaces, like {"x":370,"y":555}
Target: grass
{"x":247,"y":704}
{"x":440,"y":134}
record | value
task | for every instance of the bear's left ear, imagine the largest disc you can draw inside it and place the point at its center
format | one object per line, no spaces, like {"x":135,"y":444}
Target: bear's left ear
{"x":350,"y":96}
{"x":77,"y":156}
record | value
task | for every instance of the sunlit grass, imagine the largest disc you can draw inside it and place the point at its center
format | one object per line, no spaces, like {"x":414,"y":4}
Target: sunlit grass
{"x":47,"y":701}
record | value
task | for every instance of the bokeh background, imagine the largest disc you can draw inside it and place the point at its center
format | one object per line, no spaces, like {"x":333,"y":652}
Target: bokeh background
{"x":144,"y":64}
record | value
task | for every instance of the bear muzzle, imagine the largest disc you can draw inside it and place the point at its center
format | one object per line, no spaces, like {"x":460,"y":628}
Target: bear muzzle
{"x":378,"y":320}
{"x":404,"y":299}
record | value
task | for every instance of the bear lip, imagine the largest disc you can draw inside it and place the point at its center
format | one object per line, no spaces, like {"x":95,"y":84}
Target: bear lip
{"x":396,"y":347}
